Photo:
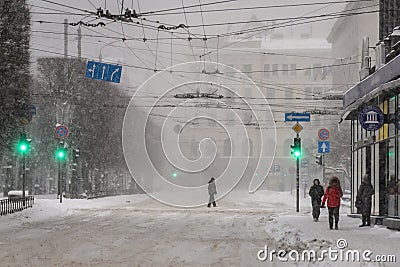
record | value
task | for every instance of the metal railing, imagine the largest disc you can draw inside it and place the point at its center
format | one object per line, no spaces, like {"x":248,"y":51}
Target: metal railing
{"x":8,"y":206}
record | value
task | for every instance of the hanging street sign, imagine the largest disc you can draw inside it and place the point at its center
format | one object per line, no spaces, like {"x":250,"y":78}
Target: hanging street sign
{"x":323,"y":134}
{"x":371,"y":118}
{"x":324,"y":147}
{"x":104,"y":72}
{"x":61,"y":132}
{"x":297,"y":128}
{"x":297,"y":117}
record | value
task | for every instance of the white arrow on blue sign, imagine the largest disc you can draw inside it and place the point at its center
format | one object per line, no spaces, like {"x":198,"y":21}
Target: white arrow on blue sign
{"x":104,"y":72}
{"x":324,"y":147}
{"x":297,"y":117}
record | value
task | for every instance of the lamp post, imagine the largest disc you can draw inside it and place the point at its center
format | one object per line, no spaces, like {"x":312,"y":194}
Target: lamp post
{"x":100,"y":55}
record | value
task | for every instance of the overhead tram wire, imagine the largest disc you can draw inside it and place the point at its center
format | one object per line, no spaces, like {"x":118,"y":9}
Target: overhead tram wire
{"x":233,"y":33}
{"x":192,"y":6}
{"x":278,"y":19}
{"x":274,"y":27}
{"x":67,"y":6}
{"x":150,"y":69}
{"x":290,"y":22}
{"x":189,"y":38}
{"x":259,"y":7}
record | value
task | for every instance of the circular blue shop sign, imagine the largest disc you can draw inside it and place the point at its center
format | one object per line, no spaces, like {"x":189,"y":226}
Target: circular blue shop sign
{"x":371,"y":118}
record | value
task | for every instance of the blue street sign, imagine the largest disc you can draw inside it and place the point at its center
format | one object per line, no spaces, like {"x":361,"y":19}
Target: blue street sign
{"x":297,"y":117}
{"x":324,"y":147}
{"x":371,"y":118}
{"x":103,"y":71}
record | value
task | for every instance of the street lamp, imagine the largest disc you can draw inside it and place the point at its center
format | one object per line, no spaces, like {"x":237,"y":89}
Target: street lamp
{"x":100,"y":55}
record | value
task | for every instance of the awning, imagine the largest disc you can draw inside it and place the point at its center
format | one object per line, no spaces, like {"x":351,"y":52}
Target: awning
{"x":390,"y":88}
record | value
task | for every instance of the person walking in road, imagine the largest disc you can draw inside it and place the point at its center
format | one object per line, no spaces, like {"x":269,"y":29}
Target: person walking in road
{"x":364,"y":200}
{"x":316,"y":192}
{"x":332,"y":195}
{"x":212,"y":191}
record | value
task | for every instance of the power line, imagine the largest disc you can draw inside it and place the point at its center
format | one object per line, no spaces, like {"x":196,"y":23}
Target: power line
{"x":262,"y":7}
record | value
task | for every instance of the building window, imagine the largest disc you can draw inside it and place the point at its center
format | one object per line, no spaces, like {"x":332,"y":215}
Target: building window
{"x":247,"y":69}
{"x":307,"y":72}
{"x":285,"y":69}
{"x":293,"y":69}
{"x":317,"y":70}
{"x":270,"y":92}
{"x":247,"y":146}
{"x":274,"y":69}
{"x":266,"y":70}
{"x":288,"y":94}
{"x":227,"y":148}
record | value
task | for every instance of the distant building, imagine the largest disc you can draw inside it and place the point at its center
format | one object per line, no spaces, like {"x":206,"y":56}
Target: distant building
{"x":346,"y":38}
{"x":294,"y":75}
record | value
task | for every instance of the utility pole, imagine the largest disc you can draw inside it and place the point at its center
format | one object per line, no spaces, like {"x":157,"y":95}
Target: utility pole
{"x":65,"y":38}
{"x":79,"y":42}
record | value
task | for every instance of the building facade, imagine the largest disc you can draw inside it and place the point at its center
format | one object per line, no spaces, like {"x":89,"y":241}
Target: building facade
{"x":372,"y":106}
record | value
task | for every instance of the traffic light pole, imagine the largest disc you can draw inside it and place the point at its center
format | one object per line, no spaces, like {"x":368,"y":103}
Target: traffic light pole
{"x":60,"y":189}
{"x":23,"y":178}
{"x":297,"y":182}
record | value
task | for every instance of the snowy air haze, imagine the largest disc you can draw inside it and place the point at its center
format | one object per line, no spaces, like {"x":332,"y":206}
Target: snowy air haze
{"x":198,"y":133}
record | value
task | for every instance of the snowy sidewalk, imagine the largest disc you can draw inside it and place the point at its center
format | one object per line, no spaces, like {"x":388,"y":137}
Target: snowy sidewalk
{"x":298,"y":231}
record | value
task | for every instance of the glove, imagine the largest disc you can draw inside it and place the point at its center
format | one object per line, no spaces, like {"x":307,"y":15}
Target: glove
{"x":323,"y":205}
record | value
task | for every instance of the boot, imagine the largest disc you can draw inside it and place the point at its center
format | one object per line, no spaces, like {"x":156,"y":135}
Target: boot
{"x":336,"y":226}
{"x":330,"y":225}
{"x":363,"y":222}
{"x":368,"y":220}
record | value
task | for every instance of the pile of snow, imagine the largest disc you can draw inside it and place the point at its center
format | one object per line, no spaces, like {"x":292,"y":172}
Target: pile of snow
{"x":44,"y":209}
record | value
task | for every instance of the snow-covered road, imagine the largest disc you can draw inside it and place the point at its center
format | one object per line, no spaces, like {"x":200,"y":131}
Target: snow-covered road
{"x":137,"y":231}
{"x":138,"y":235}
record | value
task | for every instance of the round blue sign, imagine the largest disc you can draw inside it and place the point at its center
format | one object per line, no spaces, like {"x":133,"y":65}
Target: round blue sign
{"x":371,"y":118}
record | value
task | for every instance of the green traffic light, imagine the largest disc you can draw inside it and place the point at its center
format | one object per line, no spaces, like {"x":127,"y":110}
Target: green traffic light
{"x":297,"y":153}
{"x":174,"y":175}
{"x":61,"y":154}
{"x":23,"y":147}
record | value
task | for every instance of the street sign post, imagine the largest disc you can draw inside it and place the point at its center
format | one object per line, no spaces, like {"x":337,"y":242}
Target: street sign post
{"x":323,"y":134}
{"x":104,"y":72}
{"x":61,"y":132}
{"x":324,"y":147}
{"x":297,"y":117}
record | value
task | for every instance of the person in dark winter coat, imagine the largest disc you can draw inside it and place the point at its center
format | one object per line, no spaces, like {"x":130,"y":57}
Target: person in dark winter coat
{"x":332,"y":195}
{"x":316,"y":192}
{"x":364,"y":200}
{"x":212,"y":191}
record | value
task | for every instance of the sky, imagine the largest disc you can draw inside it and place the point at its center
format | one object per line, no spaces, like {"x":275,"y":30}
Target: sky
{"x":47,"y":29}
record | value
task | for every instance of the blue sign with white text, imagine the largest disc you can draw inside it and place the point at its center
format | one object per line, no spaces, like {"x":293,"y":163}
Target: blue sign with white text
{"x":324,"y":147}
{"x":297,"y":117}
{"x":104,"y":72}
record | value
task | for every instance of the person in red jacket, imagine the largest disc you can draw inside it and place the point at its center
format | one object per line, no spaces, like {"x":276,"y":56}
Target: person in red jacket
{"x":332,"y":196}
